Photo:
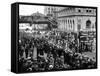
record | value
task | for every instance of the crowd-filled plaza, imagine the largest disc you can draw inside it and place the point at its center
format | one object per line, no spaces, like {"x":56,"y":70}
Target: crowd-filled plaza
{"x":54,"y":50}
{"x":63,"y":38}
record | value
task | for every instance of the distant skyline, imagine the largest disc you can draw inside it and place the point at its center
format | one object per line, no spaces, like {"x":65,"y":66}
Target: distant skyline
{"x":30,"y":9}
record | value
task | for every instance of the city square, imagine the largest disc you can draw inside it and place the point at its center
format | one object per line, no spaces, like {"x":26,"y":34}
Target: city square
{"x":61,"y":38}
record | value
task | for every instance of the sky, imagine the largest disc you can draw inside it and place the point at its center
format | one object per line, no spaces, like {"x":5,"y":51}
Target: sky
{"x":30,"y":9}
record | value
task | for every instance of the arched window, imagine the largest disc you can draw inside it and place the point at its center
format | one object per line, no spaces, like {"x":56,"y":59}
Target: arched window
{"x":71,"y":26}
{"x":73,"y":22}
{"x":68,"y":21}
{"x":88,"y":24}
{"x":48,"y":8}
{"x":79,"y":10}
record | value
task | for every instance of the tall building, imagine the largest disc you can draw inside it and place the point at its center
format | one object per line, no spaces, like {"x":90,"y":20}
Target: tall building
{"x":76,"y":19}
{"x":50,"y":11}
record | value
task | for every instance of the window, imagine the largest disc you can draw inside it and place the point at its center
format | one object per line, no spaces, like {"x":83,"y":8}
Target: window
{"x":73,"y":22}
{"x":52,"y":9}
{"x":48,"y":8}
{"x":89,"y":10}
{"x":79,"y":10}
{"x":48,"y":12}
{"x":68,"y":21}
{"x":88,"y":24}
{"x":86,"y":10}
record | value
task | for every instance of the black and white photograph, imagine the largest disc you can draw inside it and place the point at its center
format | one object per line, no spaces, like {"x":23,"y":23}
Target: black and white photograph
{"x":56,"y":38}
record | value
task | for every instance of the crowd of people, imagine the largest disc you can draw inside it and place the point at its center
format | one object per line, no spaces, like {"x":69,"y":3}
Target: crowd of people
{"x":55,"y":50}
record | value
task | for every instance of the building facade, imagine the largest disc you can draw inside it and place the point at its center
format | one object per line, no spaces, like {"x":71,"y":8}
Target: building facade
{"x":73,"y":19}
{"x":76,"y":19}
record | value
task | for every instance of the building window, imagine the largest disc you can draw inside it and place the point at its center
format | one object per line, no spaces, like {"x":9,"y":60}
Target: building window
{"x":68,"y":21}
{"x":48,"y":12}
{"x":89,"y":10}
{"x":52,"y":9}
{"x":88,"y":24}
{"x":48,"y":8}
{"x":73,"y":22}
{"x":79,"y":10}
{"x":86,"y":10}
